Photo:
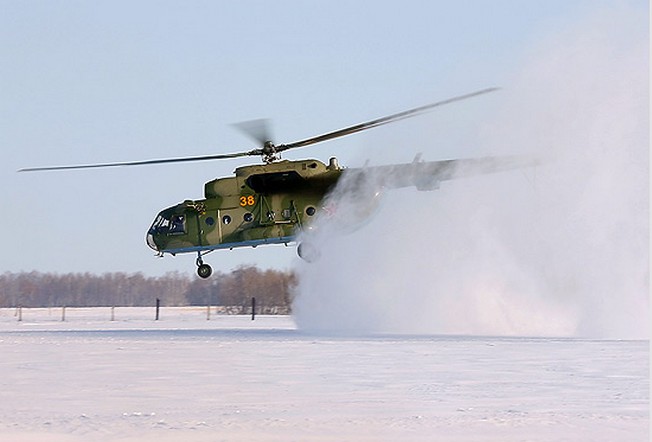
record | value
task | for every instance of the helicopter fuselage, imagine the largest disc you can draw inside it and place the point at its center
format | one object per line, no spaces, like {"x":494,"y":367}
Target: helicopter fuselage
{"x":261,"y":204}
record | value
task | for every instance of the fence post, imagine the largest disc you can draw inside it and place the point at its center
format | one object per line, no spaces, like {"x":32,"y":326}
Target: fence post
{"x":253,"y":308}
{"x":158,"y":306}
{"x":113,"y":313}
{"x":20,"y":313}
{"x":63,"y":314}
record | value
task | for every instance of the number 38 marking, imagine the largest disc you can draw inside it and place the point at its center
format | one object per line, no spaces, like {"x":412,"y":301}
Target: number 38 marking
{"x":247,"y":200}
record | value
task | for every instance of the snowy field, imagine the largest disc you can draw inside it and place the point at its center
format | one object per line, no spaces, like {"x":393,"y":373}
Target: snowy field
{"x":186,"y":378}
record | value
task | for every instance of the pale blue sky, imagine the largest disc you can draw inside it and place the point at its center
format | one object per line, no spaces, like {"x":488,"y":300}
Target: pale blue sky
{"x":103,"y":81}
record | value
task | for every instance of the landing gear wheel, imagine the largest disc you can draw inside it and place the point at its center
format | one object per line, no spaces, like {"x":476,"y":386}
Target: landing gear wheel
{"x":204,"y":271}
{"x":308,"y":252}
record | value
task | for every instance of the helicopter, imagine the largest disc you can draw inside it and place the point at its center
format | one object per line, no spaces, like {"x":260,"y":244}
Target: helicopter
{"x":272,"y":202}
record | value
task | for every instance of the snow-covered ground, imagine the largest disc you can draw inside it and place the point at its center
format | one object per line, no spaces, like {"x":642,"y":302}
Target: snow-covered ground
{"x":185,"y":378}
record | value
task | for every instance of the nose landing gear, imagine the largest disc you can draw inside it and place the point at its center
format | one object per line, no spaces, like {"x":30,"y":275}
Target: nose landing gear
{"x":203,"y":270}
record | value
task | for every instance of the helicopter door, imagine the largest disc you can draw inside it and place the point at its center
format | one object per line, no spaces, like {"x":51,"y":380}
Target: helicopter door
{"x":192,"y":228}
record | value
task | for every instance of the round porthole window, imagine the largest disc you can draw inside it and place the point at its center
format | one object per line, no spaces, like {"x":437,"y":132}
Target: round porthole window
{"x":226,"y":219}
{"x":310,"y":211}
{"x":210,"y":221}
{"x":248,"y":217}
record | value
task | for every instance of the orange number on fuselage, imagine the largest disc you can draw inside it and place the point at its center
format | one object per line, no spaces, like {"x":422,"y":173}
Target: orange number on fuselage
{"x":247,"y":200}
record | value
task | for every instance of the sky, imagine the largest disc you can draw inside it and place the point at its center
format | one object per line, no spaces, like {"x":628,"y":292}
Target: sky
{"x":104,"y":81}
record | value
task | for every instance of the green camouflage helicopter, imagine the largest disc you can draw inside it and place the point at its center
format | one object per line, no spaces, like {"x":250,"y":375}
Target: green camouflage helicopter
{"x":271,"y":203}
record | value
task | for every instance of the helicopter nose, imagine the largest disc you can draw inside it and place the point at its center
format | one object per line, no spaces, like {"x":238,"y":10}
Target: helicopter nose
{"x":150,"y":241}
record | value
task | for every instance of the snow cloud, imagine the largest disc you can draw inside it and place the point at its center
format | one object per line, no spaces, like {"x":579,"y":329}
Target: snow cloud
{"x":558,"y":250}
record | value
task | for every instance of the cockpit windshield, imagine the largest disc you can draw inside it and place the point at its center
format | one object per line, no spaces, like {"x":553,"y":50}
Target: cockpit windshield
{"x":174,"y":225}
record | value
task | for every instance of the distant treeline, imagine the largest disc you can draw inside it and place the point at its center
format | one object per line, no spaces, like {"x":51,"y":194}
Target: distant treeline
{"x":271,"y":288}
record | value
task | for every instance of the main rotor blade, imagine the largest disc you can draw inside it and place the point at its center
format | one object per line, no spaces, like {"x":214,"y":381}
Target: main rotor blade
{"x":380,"y":121}
{"x":254,"y":152}
{"x":256,"y":129}
{"x":259,"y":131}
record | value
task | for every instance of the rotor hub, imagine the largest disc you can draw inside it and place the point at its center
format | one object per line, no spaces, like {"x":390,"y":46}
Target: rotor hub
{"x":269,"y":152}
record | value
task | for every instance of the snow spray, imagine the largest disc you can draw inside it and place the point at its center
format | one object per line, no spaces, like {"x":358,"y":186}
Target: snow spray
{"x":558,"y":250}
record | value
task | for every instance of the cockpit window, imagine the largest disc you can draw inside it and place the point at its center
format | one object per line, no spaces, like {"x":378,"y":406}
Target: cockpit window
{"x":178,"y":224}
{"x":175,"y":225}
